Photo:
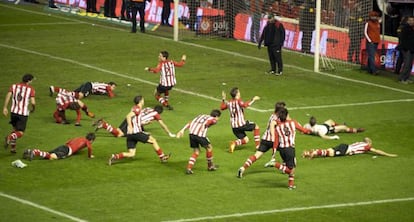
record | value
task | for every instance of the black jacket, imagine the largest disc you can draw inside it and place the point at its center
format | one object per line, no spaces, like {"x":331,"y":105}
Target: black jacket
{"x":407,"y":38}
{"x":273,"y":34}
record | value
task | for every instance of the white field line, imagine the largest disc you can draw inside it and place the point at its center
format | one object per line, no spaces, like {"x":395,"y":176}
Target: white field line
{"x":25,"y":202}
{"x":40,"y":24}
{"x":283,"y":210}
{"x":194,"y":93}
{"x":209,"y":48}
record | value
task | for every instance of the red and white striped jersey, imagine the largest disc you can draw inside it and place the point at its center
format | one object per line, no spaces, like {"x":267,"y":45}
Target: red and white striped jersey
{"x":148,"y":115}
{"x":358,"y":148}
{"x":285,"y":133}
{"x":21,"y":94}
{"x":63,"y":99}
{"x":200,"y":125}
{"x":100,"y":88}
{"x":137,"y":119}
{"x":236,"y":109}
{"x":267,"y":135}
{"x":167,"y":69}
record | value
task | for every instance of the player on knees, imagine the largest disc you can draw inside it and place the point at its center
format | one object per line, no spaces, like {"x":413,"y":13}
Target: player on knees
{"x":361,"y":147}
{"x":198,"y":137}
{"x":136,"y":134}
{"x":238,"y":123}
{"x":68,"y":149}
{"x":64,"y":102}
{"x":166,"y":68}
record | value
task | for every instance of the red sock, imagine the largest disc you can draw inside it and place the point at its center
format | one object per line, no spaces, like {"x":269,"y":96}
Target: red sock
{"x":256,"y":134}
{"x":119,"y":156}
{"x":160,"y":153}
{"x":56,"y":89}
{"x":249,"y":161}
{"x":351,"y":130}
{"x":283,"y":168}
{"x":291,"y":182}
{"x":242,"y":142}
{"x":192,"y":161}
{"x":209,"y":157}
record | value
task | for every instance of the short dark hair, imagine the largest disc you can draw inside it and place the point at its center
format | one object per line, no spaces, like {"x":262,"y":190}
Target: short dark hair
{"x":282,"y":114}
{"x":215,"y":113}
{"x":312,"y":121}
{"x":111,"y":83}
{"x":90,"y":136}
{"x":137,"y":99}
{"x":159,"y":109}
{"x":165,"y":54}
{"x":27,"y":77}
{"x":279,"y":105}
{"x":233,"y":92}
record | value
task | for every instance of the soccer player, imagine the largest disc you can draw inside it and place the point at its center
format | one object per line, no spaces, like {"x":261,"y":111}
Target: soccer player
{"x":266,"y":143}
{"x":148,"y":116}
{"x":86,"y":89}
{"x":135,"y":134}
{"x":23,"y":102}
{"x":167,"y":81}
{"x":239,"y":125}
{"x":66,"y":101}
{"x":198,"y":137}
{"x":71,"y":147}
{"x":285,"y":136}
{"x":329,"y":127}
{"x":346,"y":149}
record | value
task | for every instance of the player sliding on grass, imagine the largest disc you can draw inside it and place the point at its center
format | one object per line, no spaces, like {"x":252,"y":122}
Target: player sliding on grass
{"x":198,"y":137}
{"x":148,"y":116}
{"x":329,"y":127}
{"x":135,"y":134}
{"x":86,"y":89}
{"x":346,"y":149}
{"x":68,"y":149}
{"x":166,"y":68}
{"x":239,"y":125}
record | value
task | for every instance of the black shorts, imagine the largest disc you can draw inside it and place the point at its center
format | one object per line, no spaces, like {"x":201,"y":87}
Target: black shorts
{"x":124,"y":127}
{"x":18,"y":122}
{"x":340,"y":150}
{"x":61,"y":151}
{"x":241,"y":131}
{"x":288,"y":156}
{"x":133,"y":139}
{"x":196,"y":141}
{"x":265,"y":145}
{"x":330,"y":129}
{"x":85,"y":88}
{"x":163,"y":89}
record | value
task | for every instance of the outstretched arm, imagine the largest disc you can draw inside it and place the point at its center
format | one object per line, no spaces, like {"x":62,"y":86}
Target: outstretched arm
{"x":165,"y":128}
{"x":380,"y":152}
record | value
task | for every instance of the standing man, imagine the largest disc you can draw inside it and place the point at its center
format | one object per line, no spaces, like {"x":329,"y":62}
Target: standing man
{"x":273,"y":36}
{"x":138,"y":6}
{"x":307,"y":24}
{"x":355,"y":33}
{"x":407,"y":48}
{"x":372,"y":35}
{"x":256,"y":8}
{"x":166,"y":68}
{"x":135,"y":134}
{"x":23,"y":102}
{"x":166,"y":11}
{"x":198,"y":137}
{"x":71,"y":147}
{"x":238,"y":123}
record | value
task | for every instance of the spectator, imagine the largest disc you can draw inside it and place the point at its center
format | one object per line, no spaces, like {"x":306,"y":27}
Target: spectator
{"x":356,"y":32}
{"x":273,"y":36}
{"x":407,"y":47}
{"x":138,"y":6}
{"x":166,"y":11}
{"x":307,"y":24}
{"x":372,"y":35}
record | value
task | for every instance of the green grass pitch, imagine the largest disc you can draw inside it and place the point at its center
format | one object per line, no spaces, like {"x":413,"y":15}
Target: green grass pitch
{"x":67,"y":50}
